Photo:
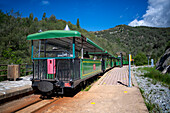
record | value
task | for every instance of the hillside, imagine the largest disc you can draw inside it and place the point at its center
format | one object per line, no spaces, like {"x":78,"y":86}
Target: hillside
{"x":14,"y":48}
{"x":148,"y":40}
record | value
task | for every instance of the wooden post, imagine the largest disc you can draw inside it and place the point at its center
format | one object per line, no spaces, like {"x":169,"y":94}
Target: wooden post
{"x":13,"y":72}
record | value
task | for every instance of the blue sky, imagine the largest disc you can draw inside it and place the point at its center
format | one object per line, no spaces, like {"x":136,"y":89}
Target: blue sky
{"x":94,"y":15}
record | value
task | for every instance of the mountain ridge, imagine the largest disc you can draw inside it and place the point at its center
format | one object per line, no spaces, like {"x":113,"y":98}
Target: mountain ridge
{"x":149,"y":40}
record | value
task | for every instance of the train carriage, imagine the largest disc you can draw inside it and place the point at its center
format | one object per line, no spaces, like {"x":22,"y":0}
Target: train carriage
{"x":61,"y":60}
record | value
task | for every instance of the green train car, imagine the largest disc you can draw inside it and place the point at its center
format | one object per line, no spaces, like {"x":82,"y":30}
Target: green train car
{"x":122,"y":60}
{"x":64,"y":59}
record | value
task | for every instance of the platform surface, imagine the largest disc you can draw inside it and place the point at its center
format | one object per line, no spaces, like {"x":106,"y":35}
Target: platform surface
{"x":107,"y":95}
{"x":116,"y":76}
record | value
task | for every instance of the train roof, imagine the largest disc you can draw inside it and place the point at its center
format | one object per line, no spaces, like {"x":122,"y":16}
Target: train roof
{"x":53,"y":34}
{"x":64,"y":36}
{"x":105,"y":53}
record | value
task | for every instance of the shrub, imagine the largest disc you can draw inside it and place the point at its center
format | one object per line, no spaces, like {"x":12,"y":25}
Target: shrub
{"x":140,"y":59}
{"x":157,"y":75}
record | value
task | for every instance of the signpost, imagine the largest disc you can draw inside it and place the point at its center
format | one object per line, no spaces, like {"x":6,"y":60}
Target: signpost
{"x":130,"y":59}
{"x":152,"y":63}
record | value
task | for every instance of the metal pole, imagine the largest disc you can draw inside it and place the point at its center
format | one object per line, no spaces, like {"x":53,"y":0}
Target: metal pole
{"x":129,"y":70}
{"x":148,"y":61}
{"x":82,"y":49}
{"x":44,"y":48}
{"x":74,"y":47}
{"x":32,"y":52}
{"x":39,"y":48}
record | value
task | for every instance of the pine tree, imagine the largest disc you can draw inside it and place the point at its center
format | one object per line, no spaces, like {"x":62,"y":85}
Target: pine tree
{"x":78,"y":25}
{"x":44,"y":16}
{"x":31,"y":17}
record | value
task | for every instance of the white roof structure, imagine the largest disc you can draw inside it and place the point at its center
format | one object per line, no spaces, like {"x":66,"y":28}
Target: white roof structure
{"x":67,"y":28}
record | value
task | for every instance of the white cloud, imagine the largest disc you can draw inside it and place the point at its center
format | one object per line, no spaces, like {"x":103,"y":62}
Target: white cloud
{"x":157,"y":15}
{"x":45,"y":2}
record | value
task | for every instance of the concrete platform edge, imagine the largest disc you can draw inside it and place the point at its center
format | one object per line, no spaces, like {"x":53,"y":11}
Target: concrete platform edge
{"x":15,"y":93}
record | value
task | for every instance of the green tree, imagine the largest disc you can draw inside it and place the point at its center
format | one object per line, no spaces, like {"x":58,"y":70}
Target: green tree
{"x":140,"y":59}
{"x":35,"y":19}
{"x":52,"y":18}
{"x":44,"y":16}
{"x":31,"y":17}
{"x":78,"y":24}
{"x":168,"y":45}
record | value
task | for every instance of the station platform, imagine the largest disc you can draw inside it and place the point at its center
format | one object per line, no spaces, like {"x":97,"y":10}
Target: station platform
{"x":116,"y":76}
{"x":10,"y":89}
{"x":109,"y":94}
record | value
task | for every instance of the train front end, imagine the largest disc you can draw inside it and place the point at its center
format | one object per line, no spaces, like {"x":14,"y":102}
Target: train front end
{"x":54,"y":64}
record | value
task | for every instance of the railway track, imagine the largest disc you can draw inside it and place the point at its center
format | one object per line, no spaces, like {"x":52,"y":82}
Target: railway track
{"x":29,"y":104}
{"x":37,"y":106}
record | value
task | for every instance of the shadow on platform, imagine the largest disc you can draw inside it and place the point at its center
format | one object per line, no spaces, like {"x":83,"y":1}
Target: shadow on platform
{"x":122,"y":83}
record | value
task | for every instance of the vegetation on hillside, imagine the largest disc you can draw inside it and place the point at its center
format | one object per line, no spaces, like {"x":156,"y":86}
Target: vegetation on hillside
{"x":148,"y":40}
{"x":14,"y":48}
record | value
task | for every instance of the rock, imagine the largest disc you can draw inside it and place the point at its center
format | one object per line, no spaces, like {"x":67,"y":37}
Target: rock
{"x":166,"y":70}
{"x":164,"y":63}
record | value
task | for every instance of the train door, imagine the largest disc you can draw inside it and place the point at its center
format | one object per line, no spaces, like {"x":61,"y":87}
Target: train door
{"x":103,"y":65}
{"x":51,"y":68}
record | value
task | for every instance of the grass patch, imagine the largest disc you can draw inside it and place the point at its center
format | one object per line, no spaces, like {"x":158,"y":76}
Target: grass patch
{"x":141,"y":91}
{"x":89,"y":83}
{"x":87,"y":88}
{"x":154,"y":82}
{"x":156,"y":75}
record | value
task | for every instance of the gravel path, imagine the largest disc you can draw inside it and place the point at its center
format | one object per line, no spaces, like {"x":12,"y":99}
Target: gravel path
{"x":154,"y":92}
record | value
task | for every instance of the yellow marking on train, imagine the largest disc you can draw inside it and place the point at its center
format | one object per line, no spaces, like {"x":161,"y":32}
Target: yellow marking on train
{"x":104,"y":83}
{"x":93,"y":103}
{"x":90,"y":73}
{"x":90,"y":62}
{"x":125,"y":91}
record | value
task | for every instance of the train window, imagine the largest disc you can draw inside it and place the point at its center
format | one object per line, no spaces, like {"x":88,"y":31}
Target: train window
{"x":52,"y":48}
{"x":38,"y":48}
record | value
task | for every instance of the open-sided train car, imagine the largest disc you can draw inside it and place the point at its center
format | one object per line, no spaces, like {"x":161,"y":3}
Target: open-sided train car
{"x":121,"y":61}
{"x":61,"y":60}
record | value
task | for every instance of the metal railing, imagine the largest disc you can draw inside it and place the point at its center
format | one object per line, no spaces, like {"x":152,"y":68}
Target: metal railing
{"x":3,"y":70}
{"x":25,"y":69}
{"x":65,"y":70}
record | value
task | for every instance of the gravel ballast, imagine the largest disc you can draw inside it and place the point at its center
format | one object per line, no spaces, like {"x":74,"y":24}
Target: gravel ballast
{"x":154,"y":92}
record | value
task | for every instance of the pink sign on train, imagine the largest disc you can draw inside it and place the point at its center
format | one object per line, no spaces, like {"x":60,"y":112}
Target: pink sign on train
{"x":51,"y":69}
